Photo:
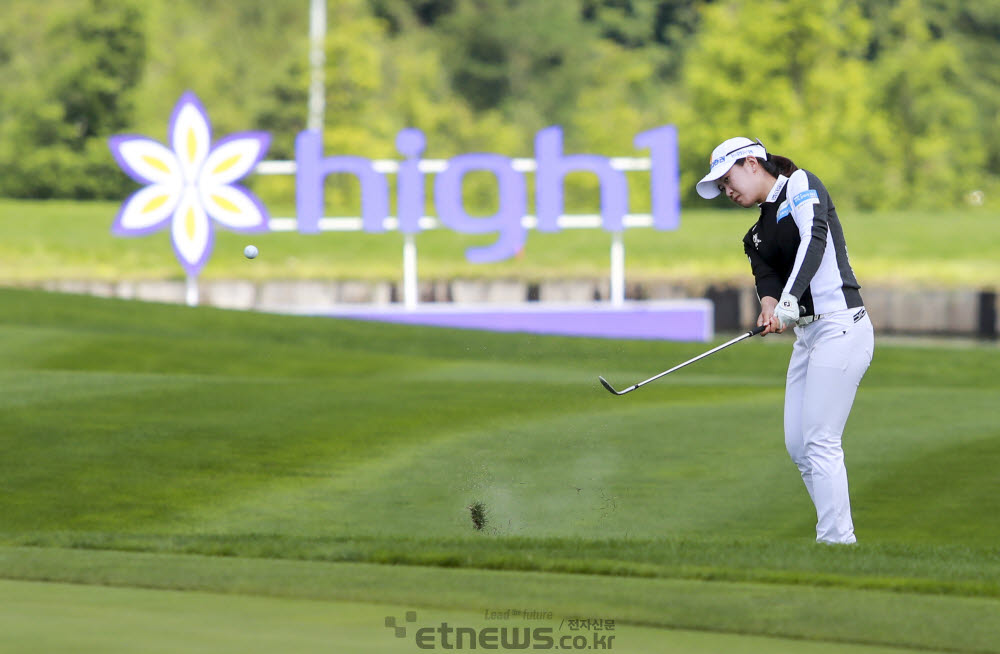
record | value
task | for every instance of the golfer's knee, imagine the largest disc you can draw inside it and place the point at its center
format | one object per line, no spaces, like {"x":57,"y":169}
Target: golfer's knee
{"x":825,"y":455}
{"x":797,"y":452}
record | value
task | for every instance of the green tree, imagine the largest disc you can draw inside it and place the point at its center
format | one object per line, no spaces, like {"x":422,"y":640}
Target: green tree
{"x":378,"y":84}
{"x":73,"y":90}
{"x":283,"y":109}
{"x":100,"y":53}
{"x":954,"y":48}
{"x":658,"y":31}
{"x":802,"y":86}
{"x":233,"y":55}
{"x":629,"y":23}
{"x":940,"y":152}
{"x":404,"y":15}
{"x":525,"y":57}
{"x":976,"y":33}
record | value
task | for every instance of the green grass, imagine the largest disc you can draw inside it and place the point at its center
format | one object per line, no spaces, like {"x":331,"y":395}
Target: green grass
{"x":60,"y":618}
{"x":168,"y":448}
{"x":68,"y":240}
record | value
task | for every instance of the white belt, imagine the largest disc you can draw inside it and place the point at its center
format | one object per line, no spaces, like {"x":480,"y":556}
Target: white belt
{"x":805,"y":320}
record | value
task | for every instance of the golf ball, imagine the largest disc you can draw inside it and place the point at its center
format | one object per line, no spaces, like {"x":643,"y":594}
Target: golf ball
{"x":250,"y":251}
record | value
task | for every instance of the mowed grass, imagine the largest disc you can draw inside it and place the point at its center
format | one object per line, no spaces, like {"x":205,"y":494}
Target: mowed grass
{"x":197,"y":449}
{"x":45,"y":240}
{"x":109,"y":620}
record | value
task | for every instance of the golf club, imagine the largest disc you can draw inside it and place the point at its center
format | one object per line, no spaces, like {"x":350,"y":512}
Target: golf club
{"x":752,"y":332}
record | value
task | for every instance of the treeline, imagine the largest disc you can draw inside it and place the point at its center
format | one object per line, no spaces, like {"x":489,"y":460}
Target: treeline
{"x":894,"y":103}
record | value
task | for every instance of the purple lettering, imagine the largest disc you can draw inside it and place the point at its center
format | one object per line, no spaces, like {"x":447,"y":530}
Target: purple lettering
{"x":664,"y":175}
{"x":410,"y":190}
{"x":552,"y":168}
{"x":507,"y":219}
{"x":312,"y":169}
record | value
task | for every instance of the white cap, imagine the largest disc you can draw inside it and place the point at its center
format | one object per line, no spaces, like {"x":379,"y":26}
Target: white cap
{"x":723,"y":157}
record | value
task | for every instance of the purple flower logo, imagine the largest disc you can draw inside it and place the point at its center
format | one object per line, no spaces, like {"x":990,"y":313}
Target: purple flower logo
{"x":189,"y":183}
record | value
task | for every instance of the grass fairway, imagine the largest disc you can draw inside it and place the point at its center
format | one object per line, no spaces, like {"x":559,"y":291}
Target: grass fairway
{"x":62,"y":618}
{"x":274,"y":466}
{"x":45,"y":240}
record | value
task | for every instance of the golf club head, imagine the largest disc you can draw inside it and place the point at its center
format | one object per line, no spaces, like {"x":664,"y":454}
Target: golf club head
{"x":607,"y":385}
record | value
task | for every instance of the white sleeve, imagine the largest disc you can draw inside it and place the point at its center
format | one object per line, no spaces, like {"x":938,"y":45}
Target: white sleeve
{"x":812,"y":232}
{"x":801,"y":199}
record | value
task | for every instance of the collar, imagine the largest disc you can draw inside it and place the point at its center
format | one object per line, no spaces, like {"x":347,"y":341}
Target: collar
{"x":776,"y":189}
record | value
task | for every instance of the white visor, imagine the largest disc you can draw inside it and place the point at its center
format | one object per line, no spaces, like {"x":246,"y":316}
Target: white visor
{"x":723,"y":157}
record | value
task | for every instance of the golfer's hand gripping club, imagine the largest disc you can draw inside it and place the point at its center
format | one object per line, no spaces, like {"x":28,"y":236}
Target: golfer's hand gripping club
{"x":788,"y":310}
{"x":752,"y":332}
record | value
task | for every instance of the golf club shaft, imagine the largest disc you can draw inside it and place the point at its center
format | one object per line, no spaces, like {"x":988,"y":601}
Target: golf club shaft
{"x":752,"y":332}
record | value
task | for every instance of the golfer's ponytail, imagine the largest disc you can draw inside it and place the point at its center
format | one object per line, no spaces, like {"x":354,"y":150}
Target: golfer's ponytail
{"x":774,"y":164}
{"x":778,"y":165}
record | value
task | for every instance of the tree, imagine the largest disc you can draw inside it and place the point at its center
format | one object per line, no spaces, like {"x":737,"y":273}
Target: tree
{"x":99,"y":57}
{"x":800,"y":84}
{"x":402,"y":15}
{"x":955,"y":45}
{"x":75,"y":89}
{"x":921,"y":77}
{"x":525,"y":57}
{"x":629,"y":23}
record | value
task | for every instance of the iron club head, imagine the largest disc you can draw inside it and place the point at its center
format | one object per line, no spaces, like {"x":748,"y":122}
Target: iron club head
{"x":607,"y":385}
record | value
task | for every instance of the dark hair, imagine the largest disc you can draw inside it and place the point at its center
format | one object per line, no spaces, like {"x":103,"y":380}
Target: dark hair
{"x":775,"y":165}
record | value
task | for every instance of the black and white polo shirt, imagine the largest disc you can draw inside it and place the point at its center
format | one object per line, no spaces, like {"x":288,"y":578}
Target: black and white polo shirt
{"x":797,"y":246}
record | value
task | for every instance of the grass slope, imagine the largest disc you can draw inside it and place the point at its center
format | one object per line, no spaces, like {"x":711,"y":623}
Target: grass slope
{"x":43,"y":240}
{"x":165,"y":430}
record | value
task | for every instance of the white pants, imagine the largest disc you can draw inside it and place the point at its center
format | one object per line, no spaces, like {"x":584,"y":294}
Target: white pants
{"x":829,"y":358}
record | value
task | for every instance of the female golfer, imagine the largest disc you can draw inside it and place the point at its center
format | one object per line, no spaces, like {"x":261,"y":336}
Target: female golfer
{"x":803,"y":278}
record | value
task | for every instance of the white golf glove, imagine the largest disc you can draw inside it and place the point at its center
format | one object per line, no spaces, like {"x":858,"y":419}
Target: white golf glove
{"x":787,"y":311}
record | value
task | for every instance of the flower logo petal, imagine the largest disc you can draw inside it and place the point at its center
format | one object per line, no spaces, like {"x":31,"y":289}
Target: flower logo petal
{"x":145,"y":160}
{"x":191,"y":233}
{"x":191,"y":183}
{"x":190,"y":135}
{"x":235,"y":207}
{"x":146,"y":210}
{"x":234,"y":157}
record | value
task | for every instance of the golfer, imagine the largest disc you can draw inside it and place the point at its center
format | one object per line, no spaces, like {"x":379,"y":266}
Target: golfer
{"x":799,"y":260}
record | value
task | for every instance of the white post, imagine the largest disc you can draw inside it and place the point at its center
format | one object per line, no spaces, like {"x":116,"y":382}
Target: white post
{"x":617,"y":269}
{"x":317,"y":62}
{"x":191,"y":291}
{"x":410,"y":292}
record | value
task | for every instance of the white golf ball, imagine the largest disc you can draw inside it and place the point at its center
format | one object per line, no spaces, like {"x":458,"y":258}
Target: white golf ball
{"x":250,"y":251}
